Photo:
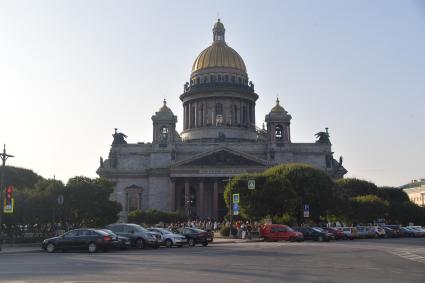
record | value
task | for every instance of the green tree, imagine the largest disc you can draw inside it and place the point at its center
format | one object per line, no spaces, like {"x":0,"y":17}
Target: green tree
{"x":20,"y":177}
{"x":281,"y":191}
{"x":356,"y":187}
{"x":368,"y":208}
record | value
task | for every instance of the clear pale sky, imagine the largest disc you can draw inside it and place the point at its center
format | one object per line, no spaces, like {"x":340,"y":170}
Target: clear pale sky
{"x":72,"y":71}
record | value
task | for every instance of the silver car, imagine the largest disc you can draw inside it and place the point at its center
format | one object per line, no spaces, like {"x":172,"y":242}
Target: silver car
{"x":168,"y":238}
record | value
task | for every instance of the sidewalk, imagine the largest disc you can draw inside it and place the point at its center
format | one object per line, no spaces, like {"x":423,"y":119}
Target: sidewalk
{"x":20,"y":248}
{"x":235,"y":240}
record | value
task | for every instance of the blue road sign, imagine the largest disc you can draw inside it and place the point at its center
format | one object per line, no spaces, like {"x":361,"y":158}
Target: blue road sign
{"x":235,"y":207}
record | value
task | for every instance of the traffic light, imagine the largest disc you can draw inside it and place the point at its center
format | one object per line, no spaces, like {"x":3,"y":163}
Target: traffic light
{"x":9,"y":195}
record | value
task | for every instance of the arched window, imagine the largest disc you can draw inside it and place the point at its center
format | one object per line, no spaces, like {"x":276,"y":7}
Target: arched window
{"x":243,"y":114}
{"x":278,"y":132}
{"x":164,"y":134}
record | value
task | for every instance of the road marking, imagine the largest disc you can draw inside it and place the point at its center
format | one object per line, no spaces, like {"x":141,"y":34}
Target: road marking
{"x":409,"y":255}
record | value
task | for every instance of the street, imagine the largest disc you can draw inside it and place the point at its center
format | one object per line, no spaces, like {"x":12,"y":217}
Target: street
{"x":385,"y":260}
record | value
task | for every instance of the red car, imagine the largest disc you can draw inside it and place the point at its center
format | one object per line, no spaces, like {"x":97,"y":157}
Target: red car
{"x":280,"y":232}
{"x":338,"y":234}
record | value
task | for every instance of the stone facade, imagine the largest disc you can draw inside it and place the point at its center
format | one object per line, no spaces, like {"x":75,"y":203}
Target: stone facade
{"x":188,"y":171}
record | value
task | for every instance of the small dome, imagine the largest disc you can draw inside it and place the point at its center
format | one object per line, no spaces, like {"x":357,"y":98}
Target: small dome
{"x":165,"y":108}
{"x":218,"y":25}
{"x":277,"y":107}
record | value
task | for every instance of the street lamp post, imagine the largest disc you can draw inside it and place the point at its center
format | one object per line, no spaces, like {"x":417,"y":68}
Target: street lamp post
{"x":4,"y":156}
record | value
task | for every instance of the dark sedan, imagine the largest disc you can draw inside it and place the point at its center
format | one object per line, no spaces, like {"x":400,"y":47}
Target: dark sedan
{"x":79,"y":239}
{"x":118,"y":241}
{"x":313,"y":234}
{"x":196,"y":236}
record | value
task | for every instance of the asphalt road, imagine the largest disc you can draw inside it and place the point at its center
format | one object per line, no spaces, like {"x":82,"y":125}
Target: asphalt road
{"x":386,"y":260}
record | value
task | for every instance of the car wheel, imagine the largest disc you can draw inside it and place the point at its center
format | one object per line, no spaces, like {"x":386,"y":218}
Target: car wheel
{"x":92,"y":248}
{"x":191,"y":242}
{"x":320,"y":238}
{"x":50,"y":248}
{"x":140,"y":244}
{"x":205,"y":244}
{"x":168,"y":243}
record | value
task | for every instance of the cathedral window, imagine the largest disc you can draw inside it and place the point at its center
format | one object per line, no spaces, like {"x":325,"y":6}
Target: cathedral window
{"x":226,"y":78}
{"x":233,"y":79}
{"x":240,"y":80}
{"x":235,"y":112}
{"x":197,"y":81}
{"x":164,"y":134}
{"x":278,"y":132}
{"x":218,"y":114}
{"x":219,"y":78}
{"x":205,"y":80}
{"x":243,"y":114}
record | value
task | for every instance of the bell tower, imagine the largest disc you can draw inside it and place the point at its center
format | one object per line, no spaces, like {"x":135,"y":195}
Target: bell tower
{"x":278,"y":125}
{"x":164,"y":126}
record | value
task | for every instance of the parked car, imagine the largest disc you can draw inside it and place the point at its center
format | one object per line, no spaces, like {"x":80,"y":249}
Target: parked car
{"x":378,"y":231}
{"x":350,"y":233}
{"x":390,"y":233}
{"x":315,"y":234}
{"x":118,"y":241}
{"x":279,"y":232}
{"x":139,"y":236}
{"x":395,"y":230}
{"x":196,"y":236}
{"x":365,"y":232}
{"x":335,"y":232}
{"x":407,"y":232}
{"x":168,"y":238}
{"x":79,"y":239}
{"x":417,"y":230}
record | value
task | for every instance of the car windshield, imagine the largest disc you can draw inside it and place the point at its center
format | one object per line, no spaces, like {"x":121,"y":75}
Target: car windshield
{"x":318,"y":229}
{"x":197,"y":230}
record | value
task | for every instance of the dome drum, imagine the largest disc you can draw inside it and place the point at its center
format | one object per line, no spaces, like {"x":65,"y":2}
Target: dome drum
{"x":216,"y":134}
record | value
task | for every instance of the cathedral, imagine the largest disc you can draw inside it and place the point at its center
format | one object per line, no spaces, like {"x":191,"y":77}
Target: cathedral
{"x":188,"y":171}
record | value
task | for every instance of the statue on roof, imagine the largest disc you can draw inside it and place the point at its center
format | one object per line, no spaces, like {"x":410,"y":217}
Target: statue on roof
{"x":323,"y":137}
{"x":119,"y":138}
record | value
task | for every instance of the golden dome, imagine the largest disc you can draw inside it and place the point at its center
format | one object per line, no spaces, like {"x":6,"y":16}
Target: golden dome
{"x":219,"y":54}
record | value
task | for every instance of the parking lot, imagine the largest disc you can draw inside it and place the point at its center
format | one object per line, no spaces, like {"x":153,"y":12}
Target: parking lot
{"x":369,"y":260}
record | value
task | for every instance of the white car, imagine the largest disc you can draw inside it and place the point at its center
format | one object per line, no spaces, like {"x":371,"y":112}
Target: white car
{"x":168,"y":238}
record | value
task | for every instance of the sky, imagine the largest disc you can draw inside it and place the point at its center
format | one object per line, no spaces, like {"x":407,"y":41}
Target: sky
{"x":72,"y":71}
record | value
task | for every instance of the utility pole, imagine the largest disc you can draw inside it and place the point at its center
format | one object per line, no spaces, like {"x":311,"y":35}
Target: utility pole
{"x":4,"y":156}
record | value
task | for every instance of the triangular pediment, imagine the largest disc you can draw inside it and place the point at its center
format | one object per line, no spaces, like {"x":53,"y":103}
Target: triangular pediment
{"x":222,"y":157}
